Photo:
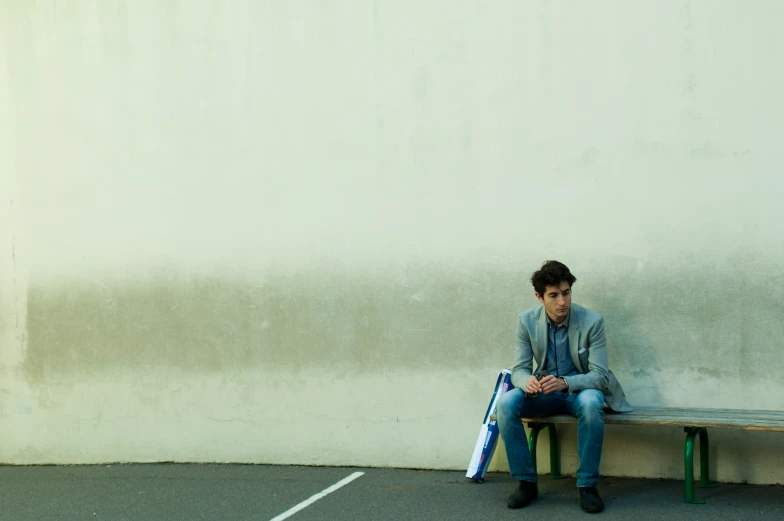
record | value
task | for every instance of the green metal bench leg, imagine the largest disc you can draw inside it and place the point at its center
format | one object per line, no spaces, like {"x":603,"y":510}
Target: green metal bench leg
{"x":688,"y":462}
{"x":555,"y":454}
{"x":705,"y":481}
{"x":532,"y":439}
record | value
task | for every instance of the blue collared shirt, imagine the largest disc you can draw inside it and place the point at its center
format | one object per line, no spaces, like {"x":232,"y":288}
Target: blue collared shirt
{"x":559,"y":358}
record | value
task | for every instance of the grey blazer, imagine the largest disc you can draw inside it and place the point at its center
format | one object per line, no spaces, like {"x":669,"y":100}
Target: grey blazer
{"x":588,"y":347}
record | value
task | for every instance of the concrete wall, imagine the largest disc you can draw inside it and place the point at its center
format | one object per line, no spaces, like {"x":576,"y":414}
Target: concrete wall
{"x":300,"y":232}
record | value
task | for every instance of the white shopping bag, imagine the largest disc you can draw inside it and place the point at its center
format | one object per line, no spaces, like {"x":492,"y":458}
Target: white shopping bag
{"x":488,"y":434}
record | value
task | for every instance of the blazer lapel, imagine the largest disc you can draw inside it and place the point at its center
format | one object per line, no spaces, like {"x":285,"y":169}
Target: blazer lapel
{"x":541,"y":340}
{"x":574,"y":339}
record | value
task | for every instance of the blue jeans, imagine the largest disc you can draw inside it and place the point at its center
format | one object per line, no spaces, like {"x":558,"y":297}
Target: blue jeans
{"x":586,"y":406}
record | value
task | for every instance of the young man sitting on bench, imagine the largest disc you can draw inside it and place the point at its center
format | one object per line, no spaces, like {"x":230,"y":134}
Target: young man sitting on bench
{"x":568,"y":344}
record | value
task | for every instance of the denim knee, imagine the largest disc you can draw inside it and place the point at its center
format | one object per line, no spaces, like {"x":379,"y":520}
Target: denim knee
{"x":507,"y":407}
{"x":590,"y":404}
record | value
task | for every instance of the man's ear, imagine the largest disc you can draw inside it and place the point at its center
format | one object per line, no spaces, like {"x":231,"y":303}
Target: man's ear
{"x":538,"y":297}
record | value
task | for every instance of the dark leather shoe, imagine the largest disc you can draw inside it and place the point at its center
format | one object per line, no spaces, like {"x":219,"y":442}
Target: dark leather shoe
{"x":525,"y":493}
{"x":590,"y":500}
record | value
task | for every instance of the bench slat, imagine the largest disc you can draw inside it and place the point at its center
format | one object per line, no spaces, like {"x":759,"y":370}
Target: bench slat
{"x":686,"y":417}
{"x":732,"y":413}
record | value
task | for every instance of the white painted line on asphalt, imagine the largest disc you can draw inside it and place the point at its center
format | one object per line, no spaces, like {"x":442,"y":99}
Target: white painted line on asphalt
{"x":312,"y":499}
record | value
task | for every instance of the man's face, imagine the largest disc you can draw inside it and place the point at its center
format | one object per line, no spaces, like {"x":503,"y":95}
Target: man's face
{"x":557,"y":300}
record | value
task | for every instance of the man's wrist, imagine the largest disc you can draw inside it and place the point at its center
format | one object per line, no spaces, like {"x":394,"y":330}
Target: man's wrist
{"x":566,"y":384}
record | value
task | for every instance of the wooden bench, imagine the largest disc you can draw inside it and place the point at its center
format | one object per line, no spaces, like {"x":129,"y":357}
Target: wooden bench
{"x":694,"y":422}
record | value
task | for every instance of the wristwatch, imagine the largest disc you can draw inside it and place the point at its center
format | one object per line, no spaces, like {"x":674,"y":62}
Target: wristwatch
{"x":567,"y":385}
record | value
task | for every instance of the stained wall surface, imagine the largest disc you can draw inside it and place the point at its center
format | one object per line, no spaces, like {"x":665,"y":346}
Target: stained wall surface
{"x":301,"y":232}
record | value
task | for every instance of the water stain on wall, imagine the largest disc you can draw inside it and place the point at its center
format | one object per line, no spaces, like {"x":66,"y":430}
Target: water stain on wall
{"x":414,"y":319}
{"x":717,"y":319}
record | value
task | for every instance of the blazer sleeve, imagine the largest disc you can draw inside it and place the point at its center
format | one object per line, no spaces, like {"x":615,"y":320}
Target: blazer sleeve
{"x":524,"y":355}
{"x":597,"y":376}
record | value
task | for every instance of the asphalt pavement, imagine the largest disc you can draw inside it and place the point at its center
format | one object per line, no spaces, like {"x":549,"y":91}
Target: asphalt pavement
{"x":187,"y":492}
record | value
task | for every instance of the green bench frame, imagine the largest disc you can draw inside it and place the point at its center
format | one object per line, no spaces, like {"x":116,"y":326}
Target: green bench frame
{"x":695,"y":422}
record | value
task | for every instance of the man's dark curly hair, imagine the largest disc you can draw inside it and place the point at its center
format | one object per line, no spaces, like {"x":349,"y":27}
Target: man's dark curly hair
{"x":552,"y":273}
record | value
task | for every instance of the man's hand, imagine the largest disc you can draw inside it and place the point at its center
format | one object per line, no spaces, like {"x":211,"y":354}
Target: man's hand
{"x":551,"y":384}
{"x":532,"y":386}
